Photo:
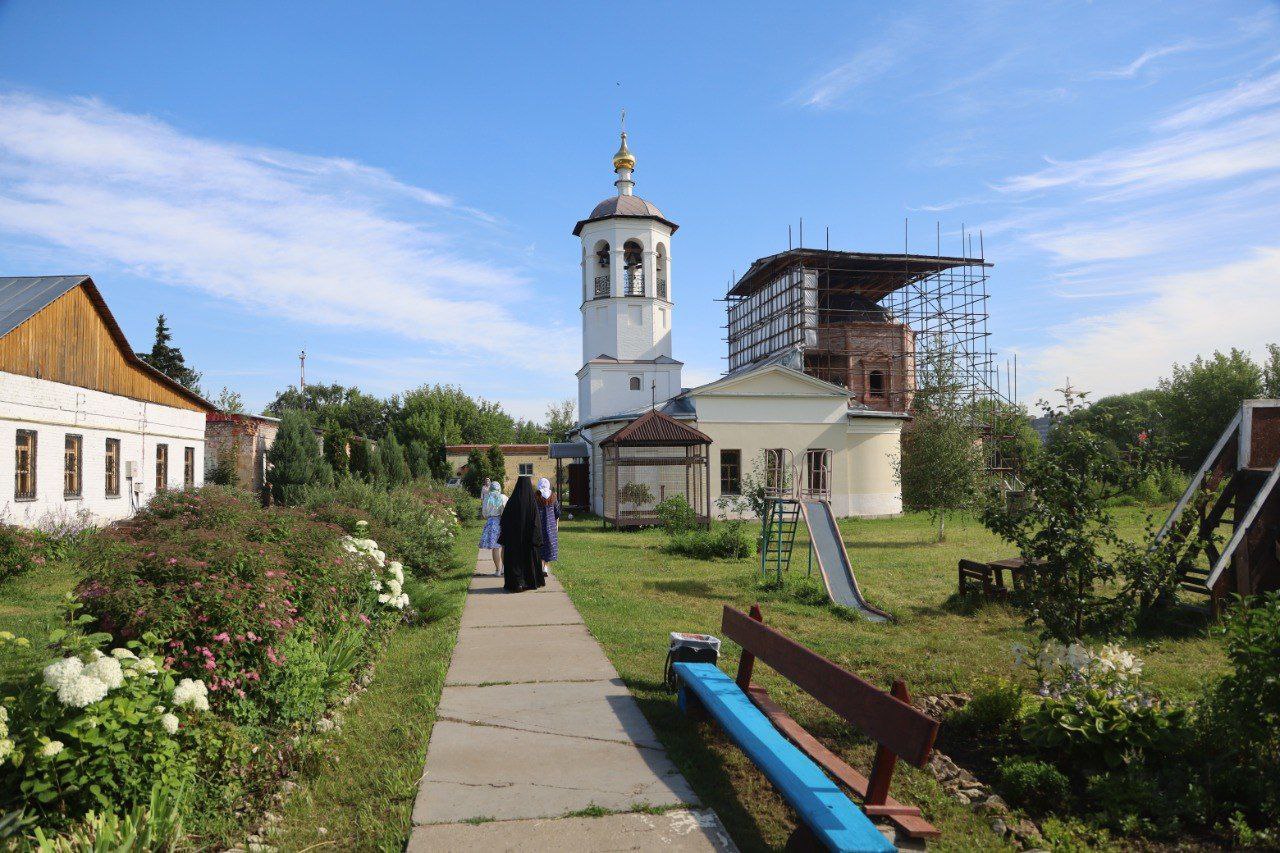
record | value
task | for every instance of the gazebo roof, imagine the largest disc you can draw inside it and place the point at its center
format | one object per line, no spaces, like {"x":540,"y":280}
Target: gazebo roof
{"x":655,"y":429}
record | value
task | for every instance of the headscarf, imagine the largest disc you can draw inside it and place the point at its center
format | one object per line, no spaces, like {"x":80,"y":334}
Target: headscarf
{"x":544,"y":488}
{"x":520,"y":527}
{"x":493,"y":498}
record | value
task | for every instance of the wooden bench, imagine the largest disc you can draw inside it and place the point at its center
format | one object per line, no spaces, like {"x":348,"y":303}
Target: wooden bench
{"x":791,"y":757}
{"x":988,"y":578}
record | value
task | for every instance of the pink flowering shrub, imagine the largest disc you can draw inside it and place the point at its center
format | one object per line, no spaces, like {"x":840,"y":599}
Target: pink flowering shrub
{"x":21,"y":551}
{"x":228,"y":584}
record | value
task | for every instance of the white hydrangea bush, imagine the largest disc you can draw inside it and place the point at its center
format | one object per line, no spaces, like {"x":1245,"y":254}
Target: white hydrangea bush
{"x":386,"y":577}
{"x":90,"y":724}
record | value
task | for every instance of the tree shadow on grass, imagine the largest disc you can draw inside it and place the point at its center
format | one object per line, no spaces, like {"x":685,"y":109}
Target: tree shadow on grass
{"x":692,"y":588}
{"x":857,"y":544}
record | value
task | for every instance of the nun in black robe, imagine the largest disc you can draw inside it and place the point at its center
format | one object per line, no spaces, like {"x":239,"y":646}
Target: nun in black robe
{"x":521,"y":540}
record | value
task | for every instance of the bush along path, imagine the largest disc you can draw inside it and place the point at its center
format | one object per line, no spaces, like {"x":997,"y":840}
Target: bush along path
{"x":201,"y":655}
{"x":534,"y":723}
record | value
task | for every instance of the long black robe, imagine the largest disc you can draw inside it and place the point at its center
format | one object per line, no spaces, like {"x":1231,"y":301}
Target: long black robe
{"x":521,"y":540}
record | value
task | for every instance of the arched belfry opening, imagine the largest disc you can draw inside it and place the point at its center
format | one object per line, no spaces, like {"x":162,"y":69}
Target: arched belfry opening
{"x":601,"y":261}
{"x":633,"y":268}
{"x":660,"y":270}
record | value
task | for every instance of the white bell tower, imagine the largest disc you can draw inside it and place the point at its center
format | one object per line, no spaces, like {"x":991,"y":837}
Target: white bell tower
{"x":626,"y":302}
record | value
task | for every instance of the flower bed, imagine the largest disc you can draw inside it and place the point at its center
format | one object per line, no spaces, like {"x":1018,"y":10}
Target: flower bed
{"x":230,"y":629}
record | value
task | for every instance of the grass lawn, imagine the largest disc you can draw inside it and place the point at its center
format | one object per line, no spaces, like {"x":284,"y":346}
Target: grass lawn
{"x":358,"y":795}
{"x":631,"y":595}
{"x":29,"y":607}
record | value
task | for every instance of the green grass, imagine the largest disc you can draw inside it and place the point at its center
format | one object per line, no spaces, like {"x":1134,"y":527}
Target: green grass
{"x":359,"y":795}
{"x":631,"y":595}
{"x":30,"y":607}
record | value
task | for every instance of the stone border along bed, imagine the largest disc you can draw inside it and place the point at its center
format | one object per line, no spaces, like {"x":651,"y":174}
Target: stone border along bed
{"x":965,"y":788}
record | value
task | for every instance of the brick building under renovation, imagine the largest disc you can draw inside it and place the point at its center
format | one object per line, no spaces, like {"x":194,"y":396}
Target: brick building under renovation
{"x":861,"y":318}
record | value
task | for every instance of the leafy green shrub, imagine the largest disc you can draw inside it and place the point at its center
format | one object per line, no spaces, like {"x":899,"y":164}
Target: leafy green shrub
{"x":636,"y":494}
{"x":727,"y":540}
{"x":1133,"y":801}
{"x":1034,"y":785}
{"x":417,"y":523}
{"x":298,"y":685}
{"x":19,"y":551}
{"x":226,"y":582}
{"x":1240,"y":717}
{"x":992,"y":713}
{"x":96,"y":731}
{"x":675,"y":515}
{"x":465,"y":506}
{"x":1093,"y":709}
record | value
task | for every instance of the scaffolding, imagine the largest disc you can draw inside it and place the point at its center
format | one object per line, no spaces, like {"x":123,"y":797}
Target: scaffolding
{"x":874,"y":323}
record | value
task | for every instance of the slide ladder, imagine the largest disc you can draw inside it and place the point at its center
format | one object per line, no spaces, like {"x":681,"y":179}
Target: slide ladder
{"x":833,"y":561}
{"x":778,"y":536}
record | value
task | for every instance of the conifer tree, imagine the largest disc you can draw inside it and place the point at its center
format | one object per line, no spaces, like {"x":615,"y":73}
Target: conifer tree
{"x":168,"y":359}
{"x":394,"y":466}
{"x":497,"y":465}
{"x":294,"y":459}
{"x":477,"y":470}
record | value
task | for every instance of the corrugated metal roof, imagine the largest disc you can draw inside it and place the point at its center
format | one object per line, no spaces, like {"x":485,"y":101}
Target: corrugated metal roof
{"x":656,"y":429}
{"x":22,"y":296}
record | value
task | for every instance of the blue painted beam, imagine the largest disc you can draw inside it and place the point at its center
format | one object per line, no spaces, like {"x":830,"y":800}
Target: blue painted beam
{"x":823,"y":807}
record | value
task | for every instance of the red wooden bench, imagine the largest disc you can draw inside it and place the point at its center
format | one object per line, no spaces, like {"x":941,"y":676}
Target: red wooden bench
{"x":900,"y":730}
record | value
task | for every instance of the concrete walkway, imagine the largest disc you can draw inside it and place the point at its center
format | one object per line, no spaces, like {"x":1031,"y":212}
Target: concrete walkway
{"x":534,"y":725}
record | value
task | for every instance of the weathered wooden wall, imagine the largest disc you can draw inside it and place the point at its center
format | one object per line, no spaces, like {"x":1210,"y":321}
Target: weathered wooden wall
{"x":67,"y":341}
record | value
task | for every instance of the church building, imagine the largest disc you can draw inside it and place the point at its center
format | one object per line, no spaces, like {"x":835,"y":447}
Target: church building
{"x":772,"y":417}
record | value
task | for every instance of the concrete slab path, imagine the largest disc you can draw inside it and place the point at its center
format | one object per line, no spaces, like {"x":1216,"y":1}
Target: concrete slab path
{"x":533,"y":726}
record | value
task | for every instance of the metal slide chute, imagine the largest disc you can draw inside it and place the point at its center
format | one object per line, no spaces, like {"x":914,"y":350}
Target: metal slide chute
{"x":833,"y":561}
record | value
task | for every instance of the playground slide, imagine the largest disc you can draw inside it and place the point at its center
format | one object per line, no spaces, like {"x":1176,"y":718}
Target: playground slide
{"x":833,"y":561}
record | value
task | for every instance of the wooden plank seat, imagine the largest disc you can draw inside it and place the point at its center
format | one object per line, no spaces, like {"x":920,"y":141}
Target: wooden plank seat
{"x":822,"y":806}
{"x":988,"y":578}
{"x":900,"y":730}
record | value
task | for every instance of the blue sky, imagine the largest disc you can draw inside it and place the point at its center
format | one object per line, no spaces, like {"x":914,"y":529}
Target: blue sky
{"x":393,"y":185}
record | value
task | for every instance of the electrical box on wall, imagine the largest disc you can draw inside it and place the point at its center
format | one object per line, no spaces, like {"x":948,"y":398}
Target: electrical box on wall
{"x":131,"y":469}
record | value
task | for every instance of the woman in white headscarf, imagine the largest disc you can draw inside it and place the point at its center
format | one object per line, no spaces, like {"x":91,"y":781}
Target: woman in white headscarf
{"x":491,"y":506}
{"x":549,"y":518}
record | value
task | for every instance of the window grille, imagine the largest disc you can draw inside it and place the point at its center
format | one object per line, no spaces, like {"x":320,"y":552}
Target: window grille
{"x":73,"y":466}
{"x":24,"y":478}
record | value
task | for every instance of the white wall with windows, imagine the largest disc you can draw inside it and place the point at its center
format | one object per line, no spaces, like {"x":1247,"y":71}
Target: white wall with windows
{"x":97,"y":457}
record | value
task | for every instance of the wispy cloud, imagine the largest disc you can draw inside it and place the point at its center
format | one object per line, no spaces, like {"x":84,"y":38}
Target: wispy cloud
{"x":1243,"y":97}
{"x":321,"y":240}
{"x":1131,"y":69}
{"x":836,"y":86}
{"x":1126,"y":349}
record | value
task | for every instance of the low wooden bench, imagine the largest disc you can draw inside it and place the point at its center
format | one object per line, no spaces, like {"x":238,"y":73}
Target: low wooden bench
{"x":988,"y":578}
{"x":793,"y":759}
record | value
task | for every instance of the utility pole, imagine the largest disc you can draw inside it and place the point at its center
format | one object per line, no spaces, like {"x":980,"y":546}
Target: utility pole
{"x":302,"y":377}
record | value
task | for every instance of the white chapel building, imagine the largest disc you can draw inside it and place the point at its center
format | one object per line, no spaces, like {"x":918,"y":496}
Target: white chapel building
{"x":770,"y":410}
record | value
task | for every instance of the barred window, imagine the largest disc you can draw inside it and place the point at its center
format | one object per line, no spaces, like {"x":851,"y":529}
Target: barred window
{"x":730,"y":472}
{"x":112,"y":466}
{"x":162,"y":467}
{"x":188,"y":467}
{"x":24,"y":476}
{"x":73,"y":466}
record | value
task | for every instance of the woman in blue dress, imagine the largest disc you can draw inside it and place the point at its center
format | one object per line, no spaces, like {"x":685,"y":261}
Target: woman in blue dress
{"x":491,"y":505}
{"x":549,"y":518}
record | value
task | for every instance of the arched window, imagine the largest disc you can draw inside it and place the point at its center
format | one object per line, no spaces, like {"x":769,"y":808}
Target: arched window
{"x":601,"y":280}
{"x":635,"y":383}
{"x":633,"y":269}
{"x":875,"y":384}
{"x":660,"y":264}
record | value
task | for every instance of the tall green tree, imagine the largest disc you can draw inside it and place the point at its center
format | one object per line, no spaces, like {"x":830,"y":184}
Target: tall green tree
{"x":560,"y":419}
{"x":1126,"y":421}
{"x":294,"y":459}
{"x":394,"y":466}
{"x":360,"y":455}
{"x":1271,"y":372}
{"x":941,"y":468}
{"x":229,"y":401}
{"x":477,"y":469}
{"x":350,"y":408}
{"x":1203,"y":397}
{"x":497,"y":464}
{"x":336,"y":440}
{"x":420,"y":457}
{"x":168,"y":359}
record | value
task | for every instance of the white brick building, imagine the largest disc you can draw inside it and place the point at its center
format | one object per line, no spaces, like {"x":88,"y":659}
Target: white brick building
{"x":88,"y":432}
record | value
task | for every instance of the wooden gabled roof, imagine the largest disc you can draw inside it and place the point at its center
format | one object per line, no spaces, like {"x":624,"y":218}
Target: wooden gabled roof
{"x":655,"y":429}
{"x":60,"y":329}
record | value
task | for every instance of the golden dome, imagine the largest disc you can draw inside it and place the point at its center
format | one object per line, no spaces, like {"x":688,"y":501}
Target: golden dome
{"x":624,"y":159}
